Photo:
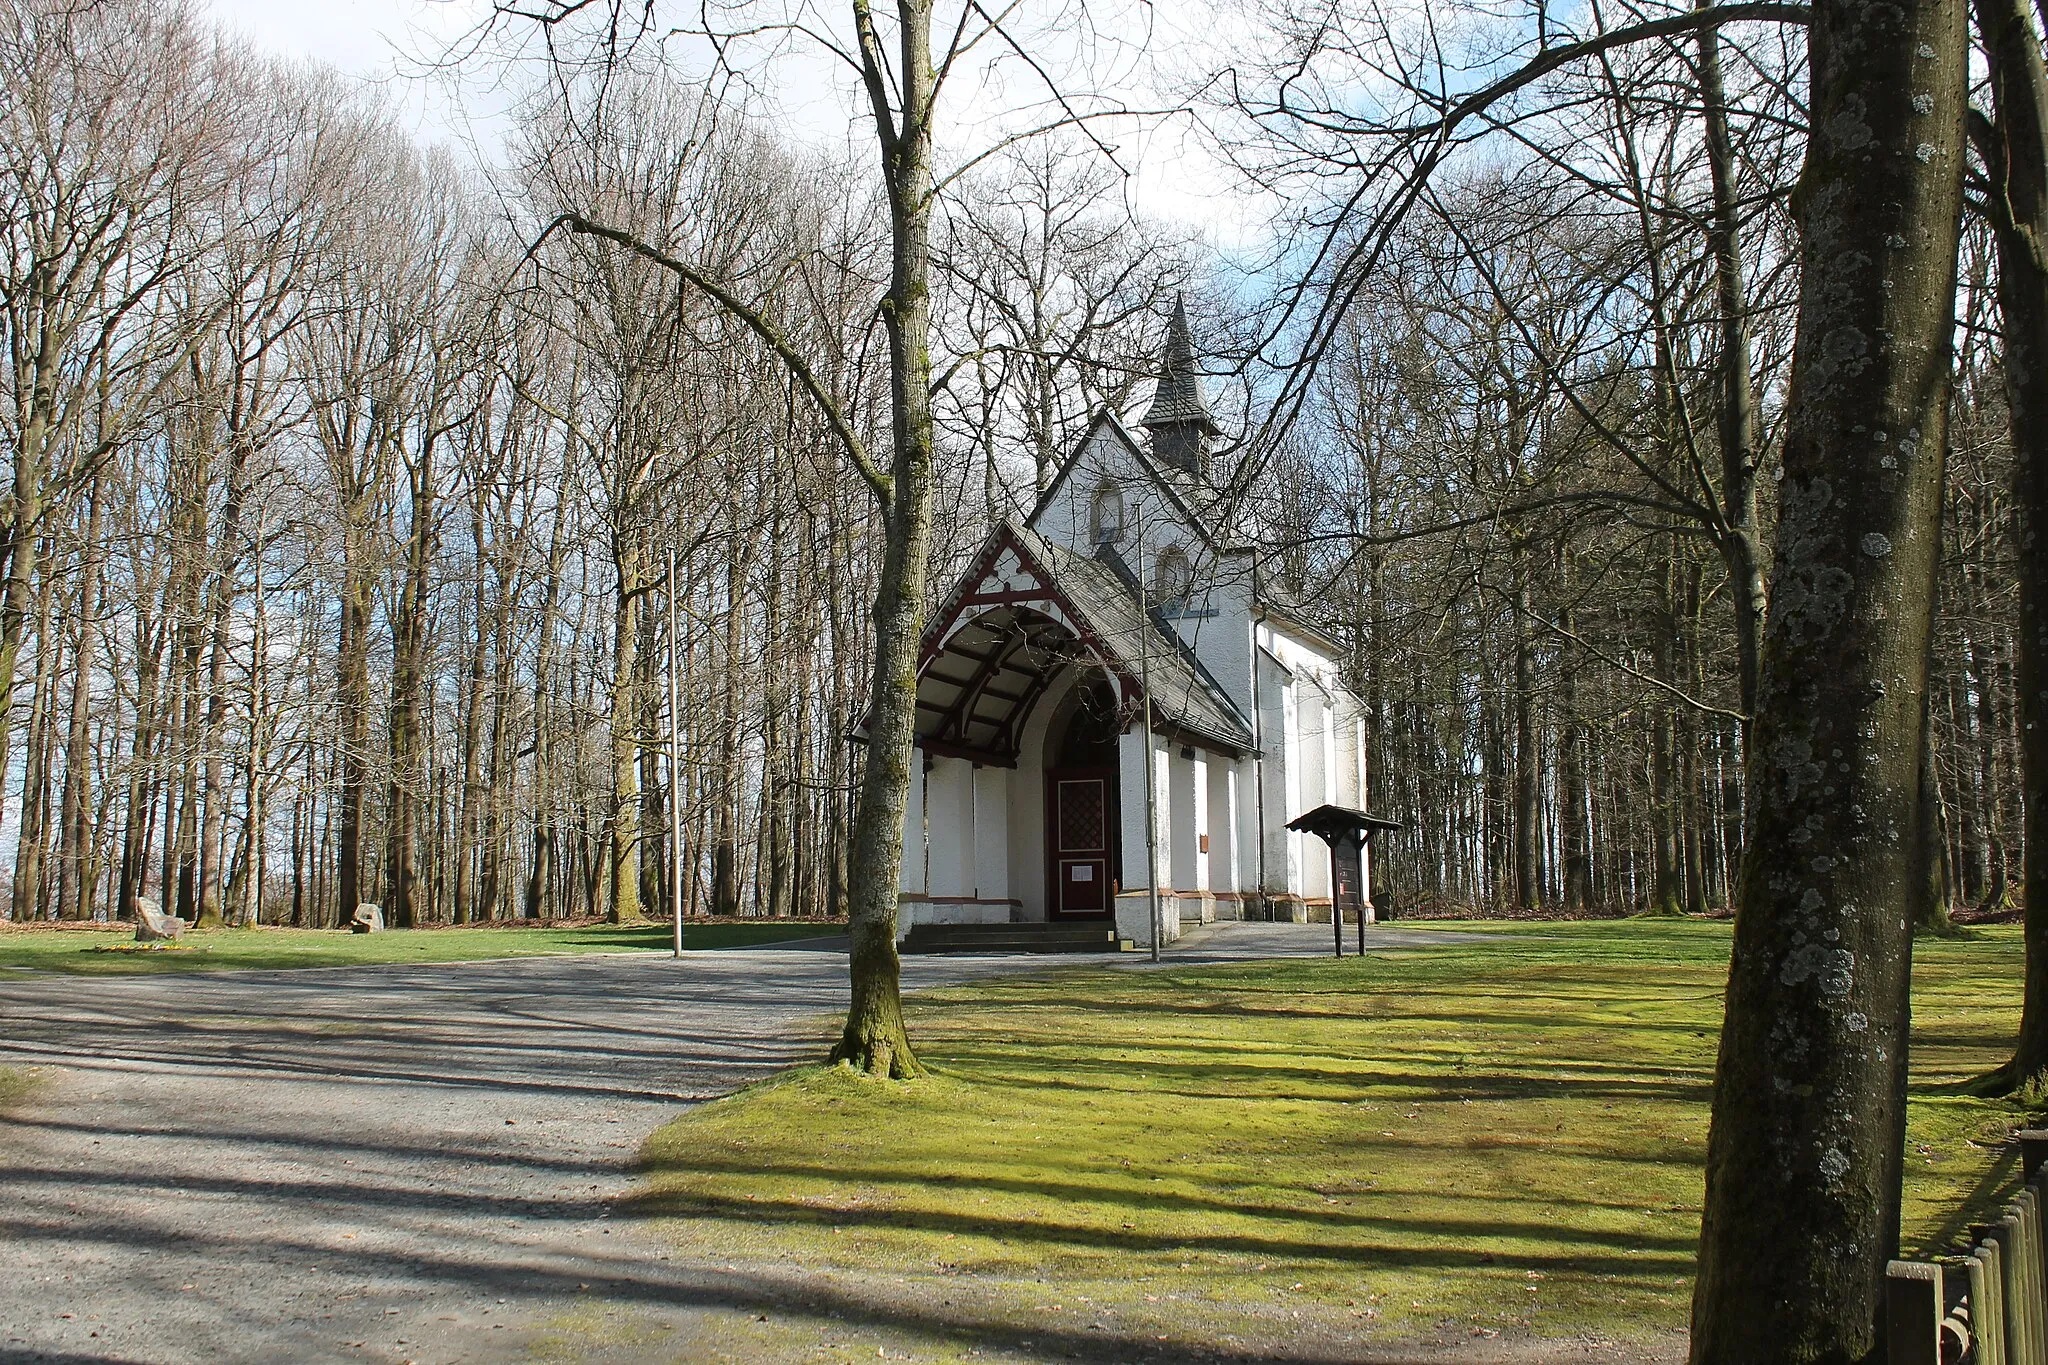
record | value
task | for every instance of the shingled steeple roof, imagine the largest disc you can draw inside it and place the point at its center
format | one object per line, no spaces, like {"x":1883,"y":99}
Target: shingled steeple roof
{"x":1177,"y":400}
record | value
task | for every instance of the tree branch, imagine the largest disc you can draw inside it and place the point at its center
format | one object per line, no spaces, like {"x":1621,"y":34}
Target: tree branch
{"x":792,"y":359}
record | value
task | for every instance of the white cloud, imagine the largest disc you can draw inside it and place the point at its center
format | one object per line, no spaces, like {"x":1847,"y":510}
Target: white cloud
{"x":809,"y":94}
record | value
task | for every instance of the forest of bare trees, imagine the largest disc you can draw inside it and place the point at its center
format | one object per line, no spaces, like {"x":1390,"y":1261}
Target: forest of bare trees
{"x":342,"y":515}
{"x":343,"y":494}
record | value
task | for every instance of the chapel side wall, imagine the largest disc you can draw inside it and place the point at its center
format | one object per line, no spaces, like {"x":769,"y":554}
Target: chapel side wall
{"x":1280,"y":877}
{"x":1312,"y":706}
{"x":1064,"y":520}
{"x":1133,"y":901}
{"x":965,"y":815}
{"x":1323,"y":756}
{"x":1188,"y":791}
{"x":1222,"y":639}
{"x":1225,"y":876}
{"x":911,"y":907}
{"x":949,"y":817}
{"x":992,"y":843}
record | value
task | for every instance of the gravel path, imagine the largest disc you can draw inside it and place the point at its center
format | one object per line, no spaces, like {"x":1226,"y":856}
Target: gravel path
{"x":353,"y":1162}
{"x":405,"y":1163}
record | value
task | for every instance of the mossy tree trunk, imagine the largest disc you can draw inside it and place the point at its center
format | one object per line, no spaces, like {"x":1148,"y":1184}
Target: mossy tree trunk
{"x":874,"y":1039}
{"x":902,"y":96}
{"x":1804,"y":1154}
{"x":2015,"y":152}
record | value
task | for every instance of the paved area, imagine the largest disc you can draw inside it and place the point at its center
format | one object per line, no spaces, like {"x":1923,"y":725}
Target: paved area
{"x":1225,"y":941}
{"x":395,"y":1163}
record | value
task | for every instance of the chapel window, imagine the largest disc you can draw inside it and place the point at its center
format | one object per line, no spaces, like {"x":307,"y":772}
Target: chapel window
{"x":1173,"y":580}
{"x":1106,"y":519}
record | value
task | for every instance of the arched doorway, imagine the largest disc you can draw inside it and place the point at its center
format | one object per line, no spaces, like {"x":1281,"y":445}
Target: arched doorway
{"x":1083,"y":816}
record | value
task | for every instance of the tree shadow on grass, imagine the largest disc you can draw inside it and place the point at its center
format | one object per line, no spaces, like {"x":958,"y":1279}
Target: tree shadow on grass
{"x":1585,"y":1249}
{"x":1229,"y":1081}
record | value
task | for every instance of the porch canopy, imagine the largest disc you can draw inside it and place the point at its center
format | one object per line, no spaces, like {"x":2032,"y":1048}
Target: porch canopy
{"x":1331,"y":823}
{"x":1025,"y":614}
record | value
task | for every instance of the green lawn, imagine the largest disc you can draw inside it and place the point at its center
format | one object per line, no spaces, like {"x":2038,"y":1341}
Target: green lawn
{"x":74,"y":950}
{"x":1494,"y":1136}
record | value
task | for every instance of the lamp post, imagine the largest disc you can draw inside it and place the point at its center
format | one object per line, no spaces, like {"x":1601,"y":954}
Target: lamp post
{"x":1348,"y":833}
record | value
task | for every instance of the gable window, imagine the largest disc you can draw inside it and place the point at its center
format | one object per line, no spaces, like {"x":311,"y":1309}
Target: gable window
{"x":1106,"y":516}
{"x":1172,"y":579}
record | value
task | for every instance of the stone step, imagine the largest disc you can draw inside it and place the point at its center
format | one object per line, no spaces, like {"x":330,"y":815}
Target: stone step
{"x":1014,"y":938}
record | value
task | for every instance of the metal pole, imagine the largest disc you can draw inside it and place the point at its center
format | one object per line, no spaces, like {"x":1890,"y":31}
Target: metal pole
{"x":1336,"y":904}
{"x":1258,"y":767}
{"x":675,"y":749}
{"x":1145,"y":685}
{"x":1364,"y":886}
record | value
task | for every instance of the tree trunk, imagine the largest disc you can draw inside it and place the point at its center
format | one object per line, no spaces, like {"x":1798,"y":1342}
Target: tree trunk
{"x":1665,"y":887}
{"x":352,"y":700}
{"x":1575,"y":835}
{"x":490,"y":873}
{"x":74,"y":883}
{"x":725,"y":879}
{"x":2015,"y":150}
{"x":213,"y":757}
{"x":1528,"y":768}
{"x":1931,"y":909}
{"x":1804,"y":1154}
{"x":874,"y":1039}
{"x":1735,"y":410}
{"x":29,"y":898}
{"x":541,"y":872}
{"x":623,"y":879}
{"x":469,"y":815}
{"x":408,"y":671}
{"x":140,"y":806}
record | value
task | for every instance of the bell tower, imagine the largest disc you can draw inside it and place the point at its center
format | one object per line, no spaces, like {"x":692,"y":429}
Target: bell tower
{"x":1179,"y":418}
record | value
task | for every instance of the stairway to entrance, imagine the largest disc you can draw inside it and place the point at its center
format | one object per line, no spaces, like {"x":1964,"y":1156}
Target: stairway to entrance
{"x":1016,"y":938}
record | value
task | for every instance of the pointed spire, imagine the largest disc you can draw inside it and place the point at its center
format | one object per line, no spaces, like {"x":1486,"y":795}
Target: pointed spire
{"x":1179,"y":417}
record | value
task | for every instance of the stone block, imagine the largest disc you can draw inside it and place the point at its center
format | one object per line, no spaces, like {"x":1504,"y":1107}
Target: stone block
{"x":152,"y":925}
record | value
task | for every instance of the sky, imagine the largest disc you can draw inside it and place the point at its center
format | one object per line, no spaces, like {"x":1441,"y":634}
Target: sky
{"x":381,"y":41}
{"x":377,"y":41}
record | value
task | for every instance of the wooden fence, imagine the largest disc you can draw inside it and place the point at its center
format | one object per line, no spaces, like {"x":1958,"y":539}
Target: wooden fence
{"x":1989,"y":1306}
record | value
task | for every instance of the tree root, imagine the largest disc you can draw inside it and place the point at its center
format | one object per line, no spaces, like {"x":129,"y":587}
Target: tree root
{"x":883,"y":1057}
{"x":2028,"y":1091}
{"x":1995,"y":1084}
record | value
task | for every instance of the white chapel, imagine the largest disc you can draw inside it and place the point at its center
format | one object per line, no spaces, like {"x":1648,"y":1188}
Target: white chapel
{"x":1130,"y":594}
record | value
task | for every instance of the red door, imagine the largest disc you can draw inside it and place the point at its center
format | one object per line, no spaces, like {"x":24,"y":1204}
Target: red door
{"x":1080,"y":841}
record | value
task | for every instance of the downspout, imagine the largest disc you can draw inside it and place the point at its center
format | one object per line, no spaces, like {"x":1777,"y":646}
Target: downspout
{"x":1258,"y":744}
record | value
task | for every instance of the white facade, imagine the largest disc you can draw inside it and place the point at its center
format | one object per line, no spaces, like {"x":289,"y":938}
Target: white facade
{"x":1042,"y":637}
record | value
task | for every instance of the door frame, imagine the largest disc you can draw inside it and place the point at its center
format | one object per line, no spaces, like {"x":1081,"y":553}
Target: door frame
{"x":1112,"y":819}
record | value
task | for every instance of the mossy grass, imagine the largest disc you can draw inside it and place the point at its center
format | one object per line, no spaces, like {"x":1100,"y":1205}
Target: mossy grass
{"x":81,"y":951}
{"x":1496,"y":1135}
{"x":16,"y":1082}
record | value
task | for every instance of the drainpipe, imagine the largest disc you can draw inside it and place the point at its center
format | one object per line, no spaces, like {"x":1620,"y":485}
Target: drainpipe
{"x":1258,"y":743}
{"x":1145,"y":685}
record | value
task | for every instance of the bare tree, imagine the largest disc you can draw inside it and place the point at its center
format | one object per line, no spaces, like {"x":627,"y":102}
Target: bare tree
{"x":2013,"y":146}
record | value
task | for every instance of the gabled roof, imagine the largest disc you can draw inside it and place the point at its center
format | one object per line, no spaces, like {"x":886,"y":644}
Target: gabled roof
{"x":1183,"y":693}
{"x":1181,"y":490}
{"x":993,"y":650}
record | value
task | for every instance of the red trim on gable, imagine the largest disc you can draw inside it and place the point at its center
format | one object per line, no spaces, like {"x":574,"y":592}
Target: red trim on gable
{"x":1004,"y":599}
{"x":949,"y":613}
